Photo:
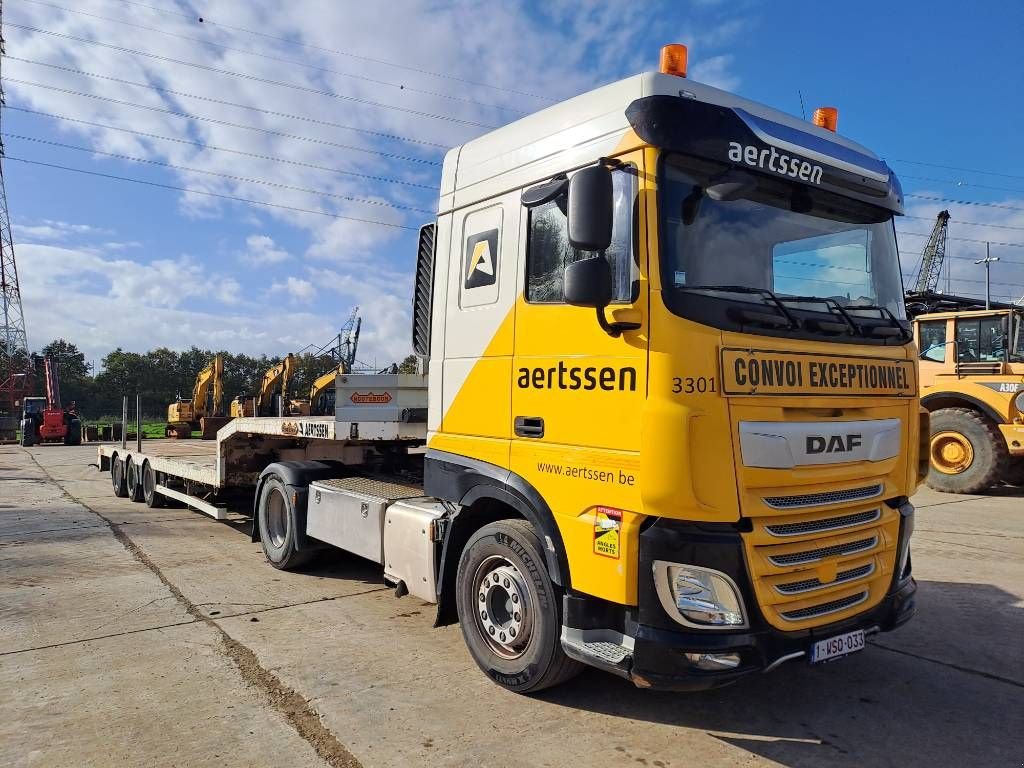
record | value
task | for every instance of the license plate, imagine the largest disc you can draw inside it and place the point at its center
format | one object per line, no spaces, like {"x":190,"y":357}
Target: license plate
{"x":837,"y":646}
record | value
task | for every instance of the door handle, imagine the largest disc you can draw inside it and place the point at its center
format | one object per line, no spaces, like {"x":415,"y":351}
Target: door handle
{"x":529,"y":426}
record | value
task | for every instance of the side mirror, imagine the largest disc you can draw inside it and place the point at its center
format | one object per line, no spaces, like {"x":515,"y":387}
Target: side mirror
{"x":588,"y":283}
{"x":591,"y":208}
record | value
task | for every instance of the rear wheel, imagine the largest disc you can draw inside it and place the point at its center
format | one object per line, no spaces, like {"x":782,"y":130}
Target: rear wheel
{"x":118,"y":478}
{"x":133,"y":479}
{"x":509,"y":609}
{"x":28,"y":437}
{"x":150,"y":480}
{"x":279,"y":526}
{"x":967,"y":452}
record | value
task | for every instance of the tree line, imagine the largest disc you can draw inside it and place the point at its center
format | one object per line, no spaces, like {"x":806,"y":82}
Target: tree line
{"x":161,"y":375}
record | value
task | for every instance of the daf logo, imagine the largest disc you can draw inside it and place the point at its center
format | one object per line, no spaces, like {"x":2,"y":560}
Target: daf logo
{"x":833,"y":443}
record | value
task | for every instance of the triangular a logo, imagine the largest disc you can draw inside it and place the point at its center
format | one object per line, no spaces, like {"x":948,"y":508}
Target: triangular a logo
{"x":482,"y":259}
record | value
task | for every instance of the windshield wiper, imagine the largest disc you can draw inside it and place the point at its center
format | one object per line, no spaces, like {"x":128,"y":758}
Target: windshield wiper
{"x":894,"y":327}
{"x":847,"y":323}
{"x":754,"y":317}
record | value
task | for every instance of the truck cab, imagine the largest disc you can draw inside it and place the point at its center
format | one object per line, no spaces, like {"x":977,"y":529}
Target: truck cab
{"x":972,"y":380}
{"x":665,"y":332}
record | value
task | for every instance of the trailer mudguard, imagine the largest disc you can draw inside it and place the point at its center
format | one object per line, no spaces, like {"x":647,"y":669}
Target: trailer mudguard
{"x":297,"y":475}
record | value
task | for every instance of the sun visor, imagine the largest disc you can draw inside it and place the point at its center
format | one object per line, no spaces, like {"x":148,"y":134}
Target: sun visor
{"x":736,"y":136}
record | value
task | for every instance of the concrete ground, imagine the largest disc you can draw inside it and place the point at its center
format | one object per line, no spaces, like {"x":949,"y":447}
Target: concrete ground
{"x":131,"y":636}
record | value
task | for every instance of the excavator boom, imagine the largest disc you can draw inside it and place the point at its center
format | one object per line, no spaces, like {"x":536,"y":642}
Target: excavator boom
{"x":275,"y":379}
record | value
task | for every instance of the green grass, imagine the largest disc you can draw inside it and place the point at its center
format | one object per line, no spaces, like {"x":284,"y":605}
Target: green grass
{"x":152,"y":429}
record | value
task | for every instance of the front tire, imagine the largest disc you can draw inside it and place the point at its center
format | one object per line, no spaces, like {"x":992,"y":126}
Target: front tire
{"x":133,"y":480}
{"x":968,"y":453}
{"x":509,"y":609}
{"x":279,"y":526}
{"x":118,"y":478}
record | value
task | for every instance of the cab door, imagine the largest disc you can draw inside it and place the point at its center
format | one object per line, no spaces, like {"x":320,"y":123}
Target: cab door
{"x":577,"y":392}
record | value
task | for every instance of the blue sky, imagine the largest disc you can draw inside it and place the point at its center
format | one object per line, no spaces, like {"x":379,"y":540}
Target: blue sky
{"x":106,"y":263}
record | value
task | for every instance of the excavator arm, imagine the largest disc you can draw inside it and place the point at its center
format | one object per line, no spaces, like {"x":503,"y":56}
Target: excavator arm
{"x":321,"y":385}
{"x":275,"y":379}
{"x":211,"y":377}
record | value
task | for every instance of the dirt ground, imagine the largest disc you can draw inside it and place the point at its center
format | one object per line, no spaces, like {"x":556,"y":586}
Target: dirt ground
{"x":159,"y":637}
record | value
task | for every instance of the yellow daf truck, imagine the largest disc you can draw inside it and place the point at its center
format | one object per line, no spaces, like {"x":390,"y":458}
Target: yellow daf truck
{"x":972,"y":381}
{"x":668,"y":423}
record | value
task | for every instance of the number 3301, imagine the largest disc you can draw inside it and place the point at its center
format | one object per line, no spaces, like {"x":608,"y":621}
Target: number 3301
{"x":689,"y":384}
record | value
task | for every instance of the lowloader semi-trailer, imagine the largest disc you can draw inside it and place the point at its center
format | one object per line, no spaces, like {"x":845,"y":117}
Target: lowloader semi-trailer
{"x":668,"y":425}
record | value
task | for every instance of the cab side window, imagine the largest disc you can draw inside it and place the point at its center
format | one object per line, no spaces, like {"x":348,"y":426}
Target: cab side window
{"x":980,"y":341}
{"x":549,"y":253}
{"x":933,"y":341}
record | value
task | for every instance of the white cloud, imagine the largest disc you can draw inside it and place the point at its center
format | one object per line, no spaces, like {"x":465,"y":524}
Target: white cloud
{"x":296,"y":288}
{"x":260,"y":250}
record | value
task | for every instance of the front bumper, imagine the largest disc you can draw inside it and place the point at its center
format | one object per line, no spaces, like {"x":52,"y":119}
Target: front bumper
{"x":657,"y":656}
{"x":659,"y":660}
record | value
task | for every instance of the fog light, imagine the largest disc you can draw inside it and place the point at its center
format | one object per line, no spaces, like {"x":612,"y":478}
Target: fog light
{"x":713,"y":661}
{"x":698,"y":597}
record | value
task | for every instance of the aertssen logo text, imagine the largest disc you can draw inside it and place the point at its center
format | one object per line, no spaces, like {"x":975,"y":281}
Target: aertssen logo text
{"x":775,"y":161}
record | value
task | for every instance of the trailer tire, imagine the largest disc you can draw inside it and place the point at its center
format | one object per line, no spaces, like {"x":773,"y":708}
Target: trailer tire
{"x":117,"y":477}
{"x":968,"y":452}
{"x":278,"y":526}
{"x":150,"y":480}
{"x":133,"y":479}
{"x":502,"y":568}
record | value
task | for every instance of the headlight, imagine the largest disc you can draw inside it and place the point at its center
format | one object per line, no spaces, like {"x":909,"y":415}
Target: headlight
{"x":1019,"y":401}
{"x":697,"y":597}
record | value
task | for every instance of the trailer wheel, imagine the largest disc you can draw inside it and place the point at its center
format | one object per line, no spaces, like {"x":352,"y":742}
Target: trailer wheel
{"x":117,"y":477}
{"x":510,"y":611}
{"x":968,"y":453}
{"x":133,"y":479}
{"x":149,"y":484}
{"x":278,"y":526}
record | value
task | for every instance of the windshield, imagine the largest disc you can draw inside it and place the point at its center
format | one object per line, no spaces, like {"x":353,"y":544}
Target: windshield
{"x":779,"y":236}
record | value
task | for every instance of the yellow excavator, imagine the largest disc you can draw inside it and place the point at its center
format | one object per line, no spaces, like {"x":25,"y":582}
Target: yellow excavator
{"x":273,"y":392}
{"x":321,"y":394}
{"x":203,"y":411}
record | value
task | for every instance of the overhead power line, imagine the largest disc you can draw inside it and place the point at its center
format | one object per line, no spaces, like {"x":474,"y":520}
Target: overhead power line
{"x":222,"y":196}
{"x":964,"y":202}
{"x":213,"y":148}
{"x":253,"y":78}
{"x":958,"y":183}
{"x":971,"y":223}
{"x":222,"y":102}
{"x":228,"y":123}
{"x":248,"y":180}
{"x":959,"y":168}
{"x":961,"y":239}
{"x":207,"y":21}
{"x":280,"y":59}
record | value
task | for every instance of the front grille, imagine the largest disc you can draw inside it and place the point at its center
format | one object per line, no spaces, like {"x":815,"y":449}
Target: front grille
{"x":832,"y":606}
{"x":813,"y":555}
{"x":810,"y":585}
{"x":827,"y":524}
{"x":823,"y":498}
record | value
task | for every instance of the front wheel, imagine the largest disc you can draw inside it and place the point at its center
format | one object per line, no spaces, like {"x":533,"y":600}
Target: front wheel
{"x":28,"y":437}
{"x":968,"y":452}
{"x":509,"y":609}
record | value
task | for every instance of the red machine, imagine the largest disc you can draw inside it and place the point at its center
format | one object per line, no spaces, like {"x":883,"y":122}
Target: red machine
{"x":44,"y":420}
